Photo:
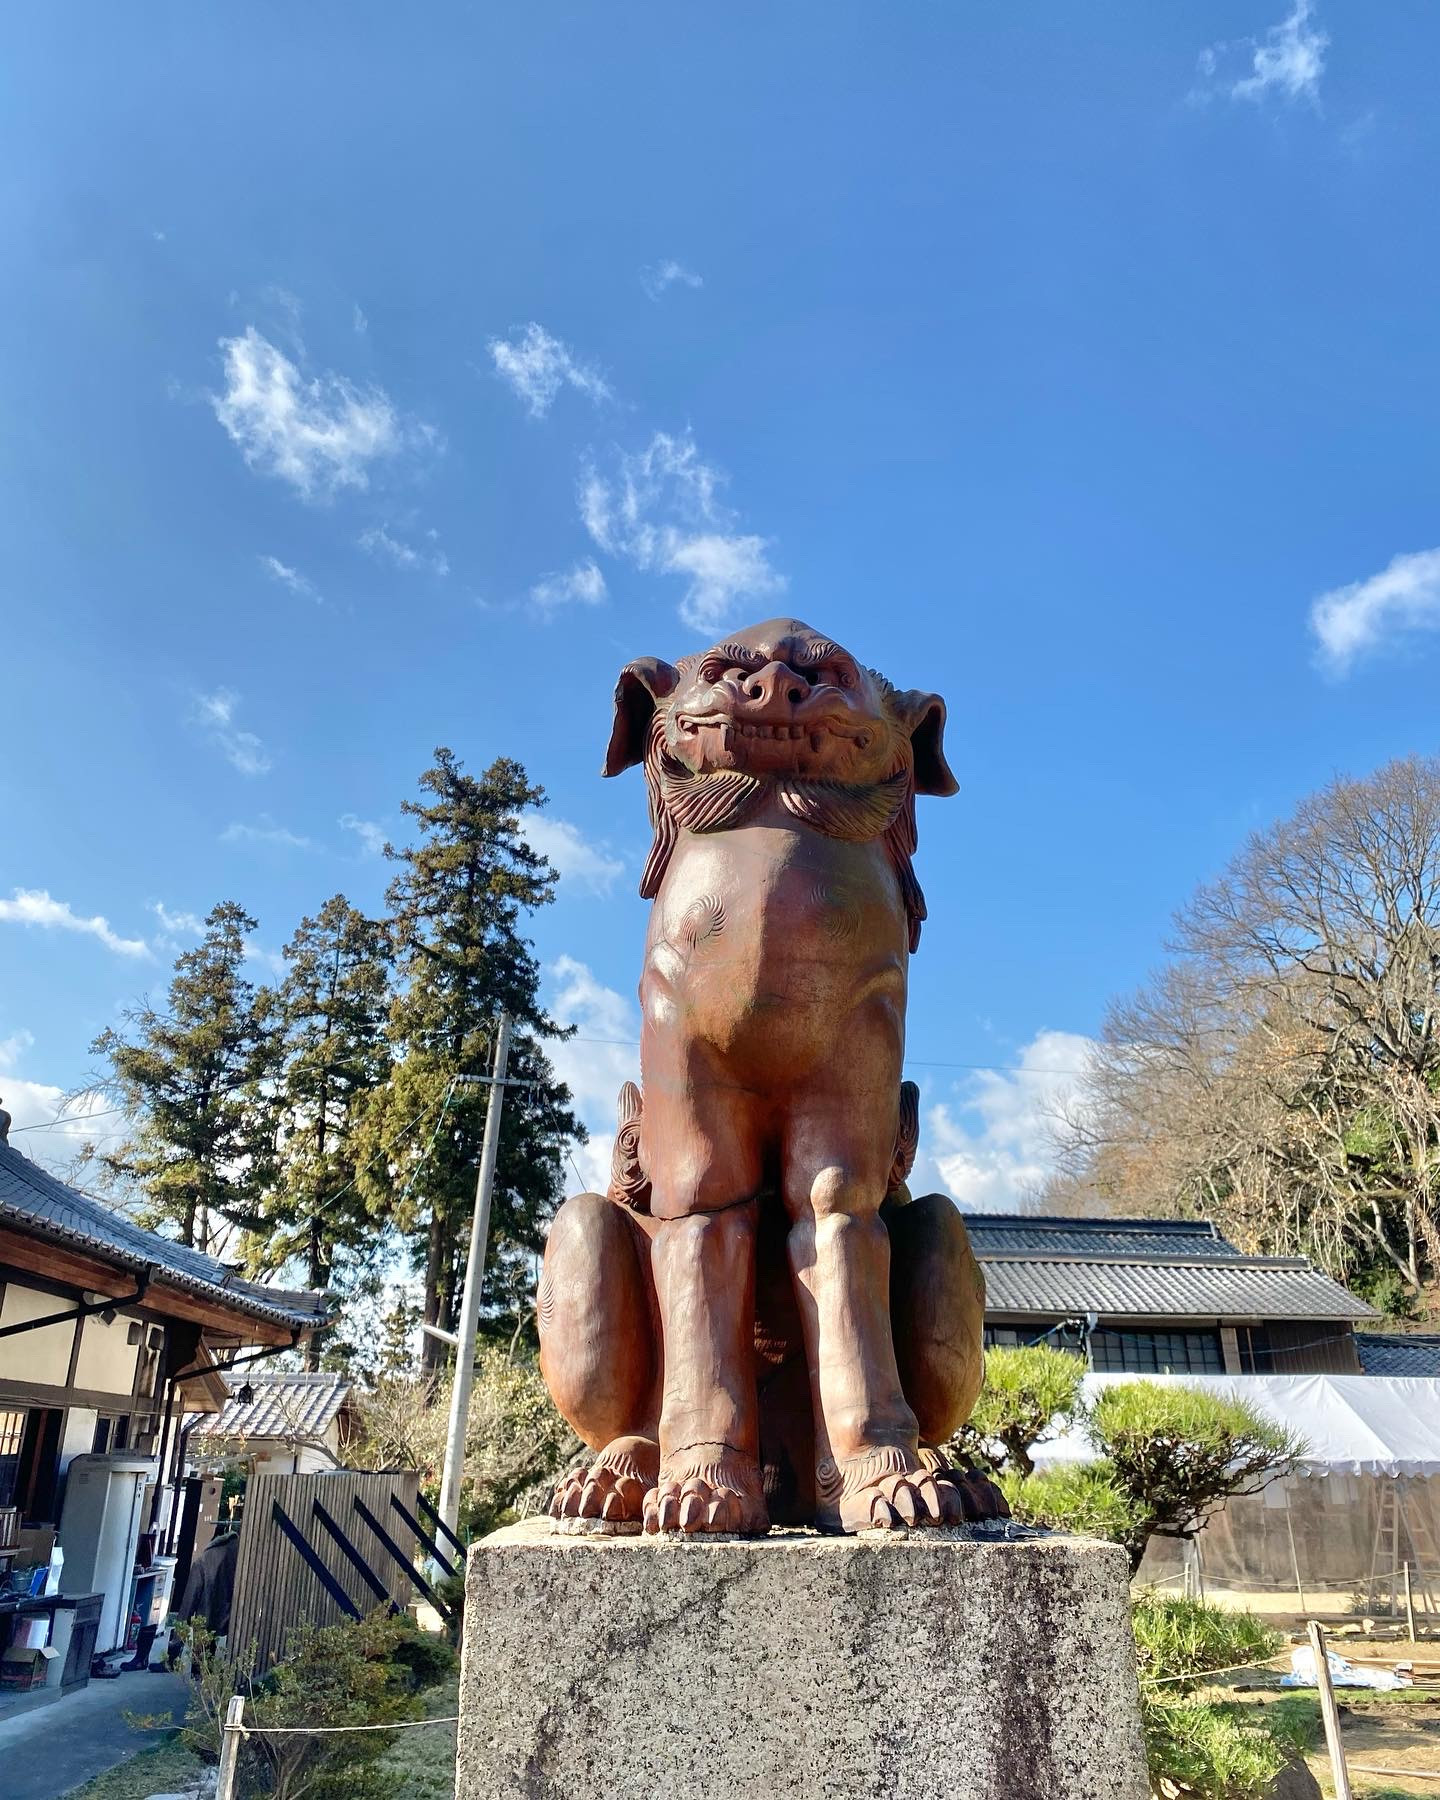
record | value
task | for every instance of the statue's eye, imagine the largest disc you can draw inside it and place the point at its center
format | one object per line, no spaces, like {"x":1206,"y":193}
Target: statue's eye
{"x":714,"y":669}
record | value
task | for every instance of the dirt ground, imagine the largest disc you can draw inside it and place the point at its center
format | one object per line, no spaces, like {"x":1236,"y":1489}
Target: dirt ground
{"x":1390,"y":1731}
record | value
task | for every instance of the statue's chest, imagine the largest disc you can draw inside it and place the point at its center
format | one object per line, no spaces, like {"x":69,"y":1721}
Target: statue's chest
{"x":751,"y":897}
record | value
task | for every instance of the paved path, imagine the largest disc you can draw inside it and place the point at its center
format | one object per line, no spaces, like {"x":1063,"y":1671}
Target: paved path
{"x":47,"y":1751}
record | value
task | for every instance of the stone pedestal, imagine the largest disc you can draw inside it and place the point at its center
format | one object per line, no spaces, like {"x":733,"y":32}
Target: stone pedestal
{"x":797,"y":1666}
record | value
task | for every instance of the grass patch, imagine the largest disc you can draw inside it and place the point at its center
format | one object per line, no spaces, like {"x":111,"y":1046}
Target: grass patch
{"x":164,"y":1768}
{"x":420,"y":1765}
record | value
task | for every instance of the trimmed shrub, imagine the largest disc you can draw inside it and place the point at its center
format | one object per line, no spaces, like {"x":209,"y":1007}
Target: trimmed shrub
{"x":1179,"y":1452}
{"x":1029,"y":1394}
{"x":1078,"y":1497}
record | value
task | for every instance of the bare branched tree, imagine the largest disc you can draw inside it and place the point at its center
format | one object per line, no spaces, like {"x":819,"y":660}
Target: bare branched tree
{"x":1282,"y":1072}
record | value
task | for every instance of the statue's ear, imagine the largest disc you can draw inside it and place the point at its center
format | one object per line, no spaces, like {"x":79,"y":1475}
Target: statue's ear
{"x":642,"y":685}
{"x":923,"y":716}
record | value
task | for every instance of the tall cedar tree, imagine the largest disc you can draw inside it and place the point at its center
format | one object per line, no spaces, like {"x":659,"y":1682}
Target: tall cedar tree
{"x":332,"y":1009}
{"x":195,"y":1080}
{"x":456,"y":910}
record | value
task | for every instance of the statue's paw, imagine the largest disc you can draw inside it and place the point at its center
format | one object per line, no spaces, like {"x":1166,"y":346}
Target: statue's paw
{"x":708,"y":1488}
{"x":887,"y":1489}
{"x":613,"y":1487}
{"x":980,"y":1499}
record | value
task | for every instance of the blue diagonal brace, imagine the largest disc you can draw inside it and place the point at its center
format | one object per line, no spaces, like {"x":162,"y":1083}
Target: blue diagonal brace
{"x":357,"y":1562}
{"x":312,"y":1562}
{"x":412,"y":1574}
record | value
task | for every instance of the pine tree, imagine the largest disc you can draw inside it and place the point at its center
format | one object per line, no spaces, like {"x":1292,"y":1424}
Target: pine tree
{"x":332,"y":1014}
{"x":195,"y":1082}
{"x":457,"y":906}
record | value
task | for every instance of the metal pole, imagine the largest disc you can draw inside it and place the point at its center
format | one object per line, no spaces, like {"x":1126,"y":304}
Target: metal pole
{"x":1409,"y":1605}
{"x":474,"y":1276}
{"x":1294,"y":1555}
{"x":1330,"y":1713}
{"x":230,"y":1735}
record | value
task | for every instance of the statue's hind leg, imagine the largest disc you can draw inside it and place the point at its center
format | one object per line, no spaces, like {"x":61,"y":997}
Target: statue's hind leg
{"x":937,"y":1308}
{"x":598,"y":1354}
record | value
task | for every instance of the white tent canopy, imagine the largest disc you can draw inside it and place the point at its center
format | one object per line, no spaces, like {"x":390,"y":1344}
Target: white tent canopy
{"x":1351,"y":1424}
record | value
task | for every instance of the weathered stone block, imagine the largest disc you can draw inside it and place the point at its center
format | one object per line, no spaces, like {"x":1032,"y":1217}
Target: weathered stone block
{"x":799,"y":1666}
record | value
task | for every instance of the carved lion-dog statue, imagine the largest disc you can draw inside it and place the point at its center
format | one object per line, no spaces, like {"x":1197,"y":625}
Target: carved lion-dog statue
{"x":757,"y":1323}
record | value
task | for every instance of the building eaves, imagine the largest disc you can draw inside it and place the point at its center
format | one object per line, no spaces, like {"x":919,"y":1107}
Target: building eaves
{"x":38,"y":1203}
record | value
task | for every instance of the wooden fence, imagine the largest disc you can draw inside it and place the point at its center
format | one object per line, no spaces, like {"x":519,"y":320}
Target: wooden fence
{"x":293,"y":1565}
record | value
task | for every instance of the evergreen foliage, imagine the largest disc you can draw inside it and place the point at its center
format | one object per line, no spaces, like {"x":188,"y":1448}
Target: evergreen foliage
{"x":332,"y":1010}
{"x":1178,"y":1452}
{"x":195,"y":1080}
{"x":1029,"y":1394}
{"x":327,"y":1125}
{"x":1079,"y":1497}
{"x":1165,"y":1455}
{"x":456,"y":909}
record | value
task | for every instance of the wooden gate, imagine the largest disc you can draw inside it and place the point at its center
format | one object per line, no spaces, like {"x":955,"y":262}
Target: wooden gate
{"x":322,"y":1547}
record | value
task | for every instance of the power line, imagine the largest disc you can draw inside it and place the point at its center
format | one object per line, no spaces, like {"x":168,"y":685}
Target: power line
{"x":911,"y":1062}
{"x":68,"y":1119}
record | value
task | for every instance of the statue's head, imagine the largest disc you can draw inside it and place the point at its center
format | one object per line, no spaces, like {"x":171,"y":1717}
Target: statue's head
{"x":779,"y":699}
{"x":779,"y":708}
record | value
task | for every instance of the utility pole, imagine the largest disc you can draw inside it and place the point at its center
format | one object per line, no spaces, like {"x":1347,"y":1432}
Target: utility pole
{"x":474,"y":1279}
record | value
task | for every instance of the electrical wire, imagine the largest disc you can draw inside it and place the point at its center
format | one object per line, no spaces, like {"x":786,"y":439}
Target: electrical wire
{"x":67,"y":1119}
{"x":911,"y":1062}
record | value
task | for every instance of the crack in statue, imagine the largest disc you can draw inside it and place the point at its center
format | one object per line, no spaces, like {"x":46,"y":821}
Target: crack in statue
{"x":757,"y":1323}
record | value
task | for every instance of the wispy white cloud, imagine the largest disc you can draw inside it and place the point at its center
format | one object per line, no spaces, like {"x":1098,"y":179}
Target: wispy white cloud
{"x":359,"y":321}
{"x":583,"y":584}
{"x":46,"y":1123}
{"x":175,"y":927}
{"x":536,"y":366}
{"x":380,"y":542}
{"x":34,"y":906}
{"x":271,"y":961}
{"x":604,"y":1054}
{"x":298,"y":584}
{"x":215,"y":714}
{"x":1351,"y":621}
{"x":371,"y":833}
{"x":657,"y":277}
{"x":660,"y":509}
{"x":266,"y":831}
{"x":1286,"y":65}
{"x":580,"y":861}
{"x":320,"y":433}
{"x":993,"y":1146}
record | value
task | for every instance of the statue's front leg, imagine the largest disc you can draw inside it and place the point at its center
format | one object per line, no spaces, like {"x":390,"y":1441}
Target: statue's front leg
{"x":869,"y":1470}
{"x":704,"y":1159}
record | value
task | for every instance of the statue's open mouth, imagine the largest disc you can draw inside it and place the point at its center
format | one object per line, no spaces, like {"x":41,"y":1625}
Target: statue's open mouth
{"x":691,"y":725}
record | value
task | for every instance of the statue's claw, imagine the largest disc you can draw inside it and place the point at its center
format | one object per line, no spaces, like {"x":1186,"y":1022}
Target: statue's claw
{"x":710,"y":1488}
{"x":612,"y":1490}
{"x":887,"y":1489}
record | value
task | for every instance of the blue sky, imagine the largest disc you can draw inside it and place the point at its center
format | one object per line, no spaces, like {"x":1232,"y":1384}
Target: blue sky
{"x":379,"y":377}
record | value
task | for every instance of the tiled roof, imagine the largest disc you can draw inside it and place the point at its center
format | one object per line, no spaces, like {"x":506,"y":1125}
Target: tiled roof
{"x":1143,"y":1268}
{"x":35,"y":1201}
{"x":994,"y":1232}
{"x":284,"y":1406}
{"x":1398,"y":1353}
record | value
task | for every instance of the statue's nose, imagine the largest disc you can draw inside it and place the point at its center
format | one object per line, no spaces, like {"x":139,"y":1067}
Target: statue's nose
{"x":776,"y":681}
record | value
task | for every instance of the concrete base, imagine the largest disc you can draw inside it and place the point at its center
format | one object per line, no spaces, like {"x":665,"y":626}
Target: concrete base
{"x":797,"y":1665}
